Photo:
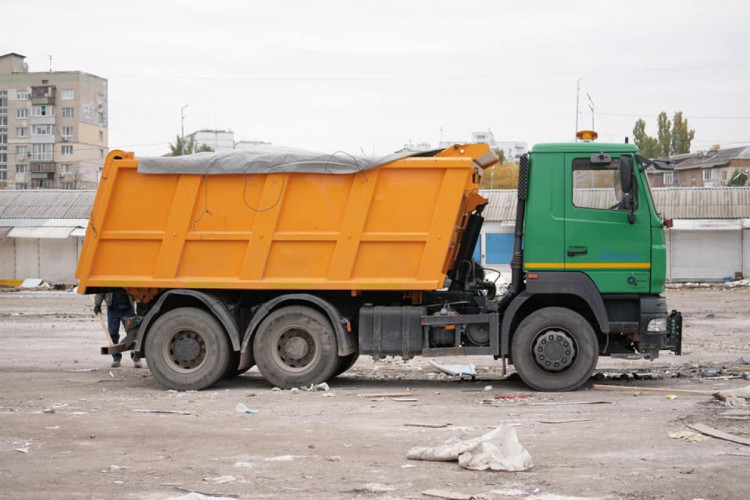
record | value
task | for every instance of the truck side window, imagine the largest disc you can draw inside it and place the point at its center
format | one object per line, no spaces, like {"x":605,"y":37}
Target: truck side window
{"x":596,"y":186}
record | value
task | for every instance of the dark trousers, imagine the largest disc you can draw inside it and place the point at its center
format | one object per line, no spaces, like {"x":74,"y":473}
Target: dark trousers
{"x":115,"y":315}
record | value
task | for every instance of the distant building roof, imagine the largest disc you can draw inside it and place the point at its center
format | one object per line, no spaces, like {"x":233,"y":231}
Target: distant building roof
{"x":45,"y":204}
{"x":712,"y":158}
{"x":672,"y":203}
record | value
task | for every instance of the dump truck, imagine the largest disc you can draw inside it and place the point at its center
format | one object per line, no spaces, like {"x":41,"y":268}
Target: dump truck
{"x":298,"y":263}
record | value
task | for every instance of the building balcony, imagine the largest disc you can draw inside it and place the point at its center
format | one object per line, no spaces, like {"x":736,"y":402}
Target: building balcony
{"x":43,"y":100}
{"x":42,"y":157}
{"x":42,"y":175}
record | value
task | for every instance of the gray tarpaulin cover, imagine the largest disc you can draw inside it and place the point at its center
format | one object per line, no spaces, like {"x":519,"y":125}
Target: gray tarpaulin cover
{"x":268,"y":159}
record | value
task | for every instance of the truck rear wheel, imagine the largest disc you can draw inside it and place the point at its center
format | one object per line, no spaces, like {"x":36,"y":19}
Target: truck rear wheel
{"x":295,"y":346}
{"x":555,"y":349}
{"x":187,"y":349}
{"x":346,"y":362}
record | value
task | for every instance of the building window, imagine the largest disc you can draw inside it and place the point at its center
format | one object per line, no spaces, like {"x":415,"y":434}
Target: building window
{"x":67,"y":150}
{"x":67,"y":131}
{"x":22,"y":168}
{"x":22,"y":95}
{"x":42,"y":110}
{"x":723,"y":176}
{"x":68,"y":185}
{"x":22,"y":113}
{"x":707,"y":174}
{"x":22,"y":185}
{"x":67,"y":94}
{"x":67,"y":112}
{"x":22,"y":132}
{"x":3,"y":138}
{"x":41,"y":130}
{"x":3,"y":172}
{"x":41,"y":152}
{"x":66,"y":168}
{"x":22,"y":152}
{"x":101,"y":136}
{"x":3,"y":121}
{"x":668,"y":178}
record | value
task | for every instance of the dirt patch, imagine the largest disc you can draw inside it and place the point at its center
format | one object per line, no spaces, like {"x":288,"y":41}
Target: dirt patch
{"x":71,"y":427}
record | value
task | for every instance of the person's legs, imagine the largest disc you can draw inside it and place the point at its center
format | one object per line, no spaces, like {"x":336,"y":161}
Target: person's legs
{"x":113,"y":326}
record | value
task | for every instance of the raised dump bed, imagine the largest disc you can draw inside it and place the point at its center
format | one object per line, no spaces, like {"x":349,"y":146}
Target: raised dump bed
{"x":394,"y":226}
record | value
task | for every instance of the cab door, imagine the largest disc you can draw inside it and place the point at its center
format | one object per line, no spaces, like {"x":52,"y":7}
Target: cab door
{"x":600,"y":239}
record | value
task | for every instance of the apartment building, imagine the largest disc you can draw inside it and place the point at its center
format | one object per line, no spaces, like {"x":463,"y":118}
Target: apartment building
{"x":53,"y":127}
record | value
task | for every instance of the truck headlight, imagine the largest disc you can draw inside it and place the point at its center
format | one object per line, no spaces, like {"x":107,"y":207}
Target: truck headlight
{"x":657,"y":325}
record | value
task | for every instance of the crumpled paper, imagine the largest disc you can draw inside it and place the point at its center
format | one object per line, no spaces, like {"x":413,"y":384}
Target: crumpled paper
{"x":497,"y":450}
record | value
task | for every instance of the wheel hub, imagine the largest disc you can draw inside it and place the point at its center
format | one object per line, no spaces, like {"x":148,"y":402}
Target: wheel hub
{"x":554,"y":350}
{"x":187,"y":350}
{"x":296,"y":348}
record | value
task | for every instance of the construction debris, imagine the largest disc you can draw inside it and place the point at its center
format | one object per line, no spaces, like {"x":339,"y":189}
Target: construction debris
{"x":710,"y":431}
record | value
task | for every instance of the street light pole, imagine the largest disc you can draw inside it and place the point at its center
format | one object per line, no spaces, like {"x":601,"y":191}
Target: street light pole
{"x":182,"y":129}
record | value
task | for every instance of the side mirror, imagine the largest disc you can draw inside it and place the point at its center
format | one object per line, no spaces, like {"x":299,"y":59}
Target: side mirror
{"x":626,"y":183}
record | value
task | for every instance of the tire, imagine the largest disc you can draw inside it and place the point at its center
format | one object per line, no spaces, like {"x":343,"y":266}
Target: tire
{"x":555,"y":349}
{"x":187,"y":349}
{"x":240,"y":363}
{"x":346,"y":362}
{"x":295,"y":346}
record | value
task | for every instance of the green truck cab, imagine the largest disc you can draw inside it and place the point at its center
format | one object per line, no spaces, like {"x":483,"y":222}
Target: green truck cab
{"x":589,"y":266}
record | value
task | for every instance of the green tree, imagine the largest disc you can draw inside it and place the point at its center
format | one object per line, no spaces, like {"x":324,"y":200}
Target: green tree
{"x":182,"y":147}
{"x":682,"y":136}
{"x":739,"y":178}
{"x":665,"y":134}
{"x":500,"y":155}
{"x":648,"y":145}
{"x":673,"y":138}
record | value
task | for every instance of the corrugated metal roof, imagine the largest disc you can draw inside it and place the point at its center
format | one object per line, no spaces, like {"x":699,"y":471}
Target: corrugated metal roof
{"x":672,"y":203}
{"x":46,"y":204}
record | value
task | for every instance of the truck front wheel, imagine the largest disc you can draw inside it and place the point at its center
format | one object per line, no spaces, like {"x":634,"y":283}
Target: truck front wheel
{"x":555,"y":349}
{"x":295,"y":346}
{"x":187,"y":349}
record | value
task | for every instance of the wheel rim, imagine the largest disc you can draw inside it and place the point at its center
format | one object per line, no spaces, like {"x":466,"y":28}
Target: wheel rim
{"x":185,"y":350}
{"x":295,"y":349}
{"x":554,"y":349}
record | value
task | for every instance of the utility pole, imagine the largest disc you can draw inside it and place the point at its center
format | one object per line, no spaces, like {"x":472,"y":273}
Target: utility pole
{"x":578,"y":95}
{"x":182,"y":129}
{"x":591,"y":107}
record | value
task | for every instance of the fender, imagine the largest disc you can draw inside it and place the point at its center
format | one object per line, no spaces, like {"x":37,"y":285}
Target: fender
{"x":346,"y":343}
{"x":214,"y":303}
{"x":555,"y":283}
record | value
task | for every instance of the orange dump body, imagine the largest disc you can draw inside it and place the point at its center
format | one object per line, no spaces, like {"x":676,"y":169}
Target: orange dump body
{"x":393,"y":227}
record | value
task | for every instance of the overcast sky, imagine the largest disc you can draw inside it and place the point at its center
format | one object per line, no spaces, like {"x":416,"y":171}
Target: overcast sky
{"x":374,"y":75}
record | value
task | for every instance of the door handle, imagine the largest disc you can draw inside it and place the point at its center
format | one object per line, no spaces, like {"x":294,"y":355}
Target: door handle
{"x":572,"y":252}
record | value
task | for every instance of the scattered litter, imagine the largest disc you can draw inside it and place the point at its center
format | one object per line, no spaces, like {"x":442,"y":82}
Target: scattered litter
{"x":428,"y":426}
{"x":498,"y":449}
{"x":670,"y":396}
{"x":221,"y":479}
{"x":281,"y":458}
{"x":25,"y":449}
{"x":488,"y":388}
{"x":329,"y":395}
{"x":245,"y":465}
{"x":111,"y":374}
{"x":276,"y":389}
{"x":689,"y":436}
{"x":515,"y":492}
{"x":31,"y":283}
{"x":48,"y":410}
{"x":514,"y":396}
{"x":562,"y":403}
{"x":565,"y":421}
{"x":334,"y":458}
{"x":167,"y":412}
{"x":452,"y":495}
{"x":118,"y":482}
{"x":52,"y":428}
{"x":710,"y":431}
{"x":406,"y":400}
{"x":322,"y":387}
{"x":390,"y":394}
{"x":455,"y":370}
{"x":199,"y":495}
{"x":241,"y":408}
{"x":735,"y":415}
{"x":408,"y":466}
{"x":373,"y":488}
{"x":662,"y":390}
{"x":80,"y":370}
{"x":117,"y":467}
